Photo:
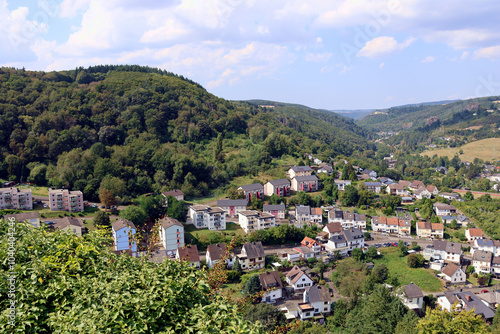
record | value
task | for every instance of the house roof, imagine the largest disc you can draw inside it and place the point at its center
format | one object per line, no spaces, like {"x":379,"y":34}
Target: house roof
{"x":471,"y":301}
{"x":254,"y":250}
{"x":475,"y":232}
{"x":270,"y":280}
{"x":189,"y":253}
{"x":216,"y":251}
{"x":446,"y":246}
{"x":252,"y":187}
{"x":309,"y":242}
{"x":342,"y":181}
{"x":121,"y":223}
{"x":175,"y":193}
{"x":393,"y":221}
{"x":373,"y":184}
{"x":450,"y":269}
{"x":336,"y":213}
{"x":482,"y":256}
{"x":67,"y":221}
{"x":424,"y":225}
{"x":484,"y":242}
{"x":417,"y":184}
{"x":318,"y":294}
{"x":334,"y":227}
{"x":302,"y":209}
{"x":304,"y":250}
{"x":404,"y":183}
{"x":404,"y":222}
{"x":306,"y":178}
{"x":437,"y":226}
{"x":295,"y":274}
{"x":379,"y":220}
{"x":24,"y":216}
{"x":316,"y":211}
{"x":442,"y":206}
{"x":431,"y":188}
{"x":273,"y":207}
{"x":353,"y":233}
{"x":337,"y":239}
{"x":232,"y":202}
{"x":247,"y":213}
{"x":301,"y":169}
{"x":396,"y":186}
{"x":167,"y":222}
{"x":413,"y":291}
{"x":280,"y":182}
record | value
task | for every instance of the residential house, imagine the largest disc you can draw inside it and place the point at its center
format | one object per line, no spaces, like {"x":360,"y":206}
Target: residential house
{"x":404,"y":227}
{"x":424,"y":229}
{"x":486,"y":245}
{"x":15,"y":198}
{"x":346,"y":241}
{"x":176,"y":193}
{"x":299,"y":171}
{"x":302,"y":213}
{"x":305,"y":311}
{"x":412,"y":297}
{"x":335,"y":216}
{"x":69,"y":225}
{"x":272,"y":286}
{"x":252,"y":190}
{"x":341,"y":184}
{"x":454,"y":274}
{"x":462,"y":220}
{"x":442,"y":170}
{"x":481,"y":261}
{"x":375,"y":187}
{"x":171,"y":234}
{"x":386,"y":181}
{"x":33,"y":218}
{"x":447,"y":251}
{"x":422,"y":193}
{"x":350,"y":219}
{"x":473,"y":233}
{"x":252,"y":220}
{"x":432,"y":189}
{"x":442,"y":209}
{"x":121,"y":229}
{"x":313,"y":245}
{"x":305,"y":252}
{"x":325,"y":168}
{"x":437,"y":230}
{"x":252,"y":256}
{"x":333,"y":229}
{"x":298,"y":279}
{"x":316,"y":216}
{"x":414,"y":185}
{"x":279,"y":187}
{"x":218,"y":251}
{"x":355,"y":238}
{"x":65,"y":200}
{"x":379,"y":224}
{"x":495,"y":266}
{"x":466,"y":301}
{"x":232,"y":206}
{"x":319,"y":298}
{"x":396,"y":189}
{"x":491,"y":299}
{"x":370,"y":172}
{"x":291,"y":256}
{"x":338,"y":243}
{"x":392,"y":225}
{"x":204,"y":216}
{"x":189,"y":254}
{"x":450,"y":196}
{"x":307,"y":183}
{"x":277,"y":210}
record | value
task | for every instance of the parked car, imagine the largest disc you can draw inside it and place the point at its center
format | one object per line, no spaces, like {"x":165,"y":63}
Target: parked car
{"x":484,"y":291}
{"x":44,"y":205}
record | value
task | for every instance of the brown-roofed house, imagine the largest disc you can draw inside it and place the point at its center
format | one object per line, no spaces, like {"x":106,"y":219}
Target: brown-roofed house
{"x":298,"y":279}
{"x":454,"y":274}
{"x":33,"y":218}
{"x":190,"y":254}
{"x":333,"y":229}
{"x":252,"y":256}
{"x":69,"y":224}
{"x":176,"y":193}
{"x":473,"y":234}
{"x":215,"y":252}
{"x":271,"y":285}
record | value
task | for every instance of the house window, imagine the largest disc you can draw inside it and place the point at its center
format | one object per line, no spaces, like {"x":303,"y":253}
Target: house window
{"x":326,"y":303}
{"x":326,"y":309}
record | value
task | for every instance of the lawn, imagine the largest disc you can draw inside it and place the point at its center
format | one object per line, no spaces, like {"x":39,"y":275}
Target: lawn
{"x":197,"y":233}
{"x":424,"y":278}
{"x":482,"y":149}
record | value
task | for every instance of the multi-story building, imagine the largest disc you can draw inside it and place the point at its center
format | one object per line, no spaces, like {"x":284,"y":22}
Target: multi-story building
{"x":232,"y":206}
{"x":171,"y":234}
{"x":307,"y":183}
{"x":204,"y":216}
{"x":299,"y":171}
{"x":121,"y":229}
{"x":303,"y":213}
{"x":277,"y":210}
{"x":346,"y":241}
{"x":279,"y":187}
{"x":252,"y":220}
{"x":254,"y":190}
{"x":442,"y":209}
{"x":252,"y":256}
{"x":341,"y":184}
{"x":15,"y":198}
{"x":316,"y":216}
{"x":65,"y":200}
{"x":481,"y":261}
{"x":217,"y":252}
{"x":347,"y":219}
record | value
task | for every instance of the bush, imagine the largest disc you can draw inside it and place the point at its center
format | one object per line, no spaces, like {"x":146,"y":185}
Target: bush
{"x":415,"y":260}
{"x":233,"y":276}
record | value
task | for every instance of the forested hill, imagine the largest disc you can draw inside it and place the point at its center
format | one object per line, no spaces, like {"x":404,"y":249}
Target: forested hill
{"x":414,"y":116}
{"x":136,"y":129}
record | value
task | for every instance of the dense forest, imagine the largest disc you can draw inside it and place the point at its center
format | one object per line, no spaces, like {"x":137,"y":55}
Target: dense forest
{"x":135,"y":130}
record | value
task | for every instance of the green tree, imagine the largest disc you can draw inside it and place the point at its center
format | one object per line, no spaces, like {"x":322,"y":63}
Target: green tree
{"x":454,"y":224}
{"x":415,"y":260}
{"x":357,"y":254}
{"x":350,"y":196}
{"x":135,"y":214}
{"x":402,"y":249}
{"x":380,"y":273}
{"x":101,"y":218}
{"x":442,"y":321}
{"x":372,"y":252}
{"x":154,"y":206}
{"x":177,"y":209}
{"x":252,"y":286}
{"x":468,"y":196}
{"x":268,"y":315}
{"x":237,"y":266}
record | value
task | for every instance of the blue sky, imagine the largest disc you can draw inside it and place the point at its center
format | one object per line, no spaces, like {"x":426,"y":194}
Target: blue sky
{"x":331,"y":54}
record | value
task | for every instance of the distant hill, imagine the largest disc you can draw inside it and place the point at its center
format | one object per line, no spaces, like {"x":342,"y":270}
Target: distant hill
{"x":135,"y":130}
{"x":416,"y":115}
{"x":354,"y":114}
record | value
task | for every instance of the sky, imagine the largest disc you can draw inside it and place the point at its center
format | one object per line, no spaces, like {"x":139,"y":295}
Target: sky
{"x":329,"y":54}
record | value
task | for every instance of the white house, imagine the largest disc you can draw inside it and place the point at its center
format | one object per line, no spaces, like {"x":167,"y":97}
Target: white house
{"x":298,"y":279}
{"x":375,"y":187}
{"x":277,"y":210}
{"x":121,"y":229}
{"x":442,"y":209}
{"x":171,"y":234}
{"x":305,"y":252}
{"x":254,"y":190}
{"x":466,"y":301}
{"x":189,"y":254}
{"x":204,"y":216}
{"x":232,"y":206}
{"x":319,"y":298}
{"x":481,"y":261}
{"x":252,"y":220}
{"x":341,"y":184}
{"x":446,"y":251}
{"x":412,"y":296}
{"x":176,"y":193}
{"x":279,"y":187}
{"x":307,"y":183}
{"x":473,"y":233}
{"x":299,"y":171}
{"x":272,"y":286}
{"x":333,"y":229}
{"x":454,"y":274}
{"x":215,"y":252}
{"x":316,"y":216}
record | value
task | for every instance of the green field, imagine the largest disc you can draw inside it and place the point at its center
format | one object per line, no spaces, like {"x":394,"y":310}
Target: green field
{"x":398,"y":268}
{"x":197,"y":233}
{"x":485,"y":149}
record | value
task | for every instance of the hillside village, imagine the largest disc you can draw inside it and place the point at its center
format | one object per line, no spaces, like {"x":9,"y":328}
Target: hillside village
{"x":298,"y":276}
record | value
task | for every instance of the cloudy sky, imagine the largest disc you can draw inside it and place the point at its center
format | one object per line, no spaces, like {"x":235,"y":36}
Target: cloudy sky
{"x":332,"y":54}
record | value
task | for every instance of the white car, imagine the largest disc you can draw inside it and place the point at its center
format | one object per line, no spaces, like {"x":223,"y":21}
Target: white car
{"x":44,"y":205}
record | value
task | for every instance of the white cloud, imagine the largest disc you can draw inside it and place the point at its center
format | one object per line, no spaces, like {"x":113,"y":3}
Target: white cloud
{"x":170,"y":30}
{"x":492,"y":52}
{"x":428,"y":59}
{"x":383,"y":46}
{"x":344,"y":68}
{"x":381,"y":65}
{"x":318,"y":57}
{"x":70,"y":8}
{"x":465,"y":55}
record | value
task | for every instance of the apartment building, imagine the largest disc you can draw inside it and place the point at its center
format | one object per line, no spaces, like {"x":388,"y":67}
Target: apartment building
{"x":15,"y":198}
{"x":65,"y":200}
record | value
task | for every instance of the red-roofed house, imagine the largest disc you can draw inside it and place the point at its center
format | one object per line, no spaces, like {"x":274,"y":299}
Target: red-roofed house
{"x":298,"y":279}
{"x":473,"y":234}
